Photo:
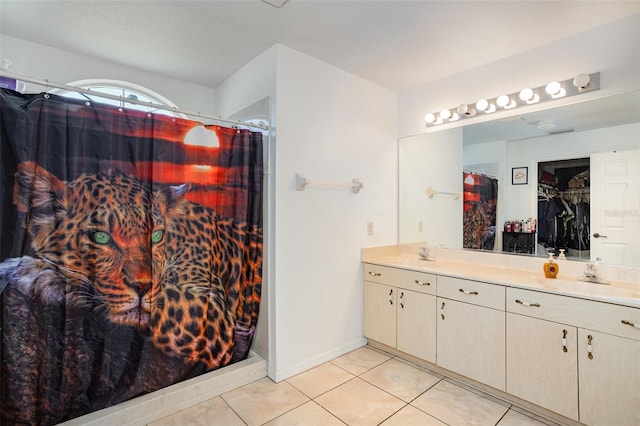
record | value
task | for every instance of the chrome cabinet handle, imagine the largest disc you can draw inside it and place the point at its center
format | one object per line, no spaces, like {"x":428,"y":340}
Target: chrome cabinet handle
{"x":401,"y":301}
{"x":564,"y":341}
{"x":468,"y":292}
{"x":426,"y":283}
{"x":390,"y":299}
{"x":442,"y":310}
{"x":375,"y":274}
{"x":535,"y":305}
{"x":625,"y":322}
{"x":589,"y":348}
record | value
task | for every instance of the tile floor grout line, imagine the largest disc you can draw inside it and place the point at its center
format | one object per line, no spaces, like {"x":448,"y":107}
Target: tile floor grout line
{"x":439,"y":377}
{"x":234,"y":411}
{"x":333,"y":415}
{"x":394,"y":413}
{"x":320,"y":394}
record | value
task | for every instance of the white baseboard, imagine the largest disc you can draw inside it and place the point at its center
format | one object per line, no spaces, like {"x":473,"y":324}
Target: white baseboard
{"x":169,"y":400}
{"x":306,"y":364}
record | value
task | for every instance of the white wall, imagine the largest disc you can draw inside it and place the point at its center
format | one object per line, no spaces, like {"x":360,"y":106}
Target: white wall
{"x":331,"y":126}
{"x":59,"y":66}
{"x":612,"y":49}
{"x":252,"y":84}
{"x":421,"y":166}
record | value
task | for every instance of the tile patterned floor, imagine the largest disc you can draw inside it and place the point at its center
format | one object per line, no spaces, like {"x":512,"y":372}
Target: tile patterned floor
{"x":363,"y":387}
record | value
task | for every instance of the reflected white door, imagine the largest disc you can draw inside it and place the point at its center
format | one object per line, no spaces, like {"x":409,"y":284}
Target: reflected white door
{"x":615,"y":207}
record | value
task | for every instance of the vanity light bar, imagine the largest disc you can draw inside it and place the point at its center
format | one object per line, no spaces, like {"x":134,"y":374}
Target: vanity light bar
{"x":581,"y":83}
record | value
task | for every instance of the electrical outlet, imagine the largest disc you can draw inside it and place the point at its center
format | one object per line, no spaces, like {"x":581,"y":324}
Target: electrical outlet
{"x":420,"y":226}
{"x":369,"y":228}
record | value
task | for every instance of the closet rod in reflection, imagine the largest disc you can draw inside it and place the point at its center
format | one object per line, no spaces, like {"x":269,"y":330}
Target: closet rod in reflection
{"x":47,"y":83}
{"x":430,"y":191}
{"x":302,"y":182}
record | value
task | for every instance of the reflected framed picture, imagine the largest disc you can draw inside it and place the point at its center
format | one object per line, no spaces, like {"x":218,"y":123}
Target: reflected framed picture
{"x":519,"y":175}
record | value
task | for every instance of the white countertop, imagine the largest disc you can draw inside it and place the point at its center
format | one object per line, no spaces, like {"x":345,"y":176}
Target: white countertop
{"x":406,"y":256}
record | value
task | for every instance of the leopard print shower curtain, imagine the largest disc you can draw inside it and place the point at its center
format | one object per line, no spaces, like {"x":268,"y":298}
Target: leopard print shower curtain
{"x":479,"y":215}
{"x":130,"y":258}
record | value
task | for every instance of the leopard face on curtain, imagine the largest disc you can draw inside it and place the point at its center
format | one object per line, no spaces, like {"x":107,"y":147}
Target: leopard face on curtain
{"x":129,"y":260}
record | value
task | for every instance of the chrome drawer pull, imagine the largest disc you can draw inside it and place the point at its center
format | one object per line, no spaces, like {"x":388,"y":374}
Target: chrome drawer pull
{"x":589,"y":348}
{"x":535,"y":305}
{"x":625,"y":322}
{"x":564,"y":341}
{"x":390,"y":299}
{"x":422,"y":282}
{"x":375,"y":274}
{"x":442,"y":310}
{"x":468,"y":292}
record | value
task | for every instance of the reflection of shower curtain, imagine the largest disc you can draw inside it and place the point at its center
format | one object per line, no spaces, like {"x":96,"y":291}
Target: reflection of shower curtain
{"x":129,"y":260}
{"x":479,"y":217}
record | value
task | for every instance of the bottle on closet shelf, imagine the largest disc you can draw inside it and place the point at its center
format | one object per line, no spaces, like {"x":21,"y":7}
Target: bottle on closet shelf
{"x":517,"y":226}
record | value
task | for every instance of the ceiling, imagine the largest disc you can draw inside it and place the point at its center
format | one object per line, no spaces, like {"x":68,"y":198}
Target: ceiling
{"x":397,"y":44}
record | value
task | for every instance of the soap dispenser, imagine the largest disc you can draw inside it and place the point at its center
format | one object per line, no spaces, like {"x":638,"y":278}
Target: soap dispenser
{"x":551,"y":268}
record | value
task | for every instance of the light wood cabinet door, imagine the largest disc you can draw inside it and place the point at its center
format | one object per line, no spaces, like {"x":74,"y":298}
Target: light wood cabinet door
{"x":416,"y":328}
{"x":380,"y":313}
{"x":471,"y":341}
{"x":609,"y":379}
{"x":542,"y":364}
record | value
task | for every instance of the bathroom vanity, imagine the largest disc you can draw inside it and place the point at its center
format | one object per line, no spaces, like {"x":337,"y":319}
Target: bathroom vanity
{"x":569,"y":347}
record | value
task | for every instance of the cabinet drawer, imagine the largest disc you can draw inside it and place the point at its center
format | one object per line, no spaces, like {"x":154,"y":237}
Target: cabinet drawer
{"x":598,"y":316}
{"x":476,"y":292}
{"x":403,"y":278}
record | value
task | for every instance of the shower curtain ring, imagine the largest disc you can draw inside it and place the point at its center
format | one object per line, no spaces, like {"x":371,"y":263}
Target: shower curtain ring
{"x":46,"y":89}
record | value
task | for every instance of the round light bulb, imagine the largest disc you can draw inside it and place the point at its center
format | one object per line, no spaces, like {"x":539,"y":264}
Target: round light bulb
{"x":445,"y":114}
{"x":482,"y":104}
{"x":581,"y":81}
{"x":471,"y":112}
{"x":430,"y":118}
{"x":462,"y":109}
{"x":454,"y":117}
{"x":503,"y":101}
{"x":553,"y":88}
{"x":526,"y":94}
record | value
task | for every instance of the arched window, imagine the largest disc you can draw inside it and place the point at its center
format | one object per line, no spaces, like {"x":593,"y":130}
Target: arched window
{"x":122,"y":89}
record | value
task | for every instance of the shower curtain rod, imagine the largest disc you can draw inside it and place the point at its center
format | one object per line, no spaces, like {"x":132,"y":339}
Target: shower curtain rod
{"x":47,"y":83}
{"x":480,"y":173}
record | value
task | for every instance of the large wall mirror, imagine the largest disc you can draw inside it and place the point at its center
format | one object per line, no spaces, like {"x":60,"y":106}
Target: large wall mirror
{"x":584,"y":158}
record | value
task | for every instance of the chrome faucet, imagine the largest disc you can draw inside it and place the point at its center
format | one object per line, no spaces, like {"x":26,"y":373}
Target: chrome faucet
{"x":590,"y":274}
{"x":423,"y":254}
{"x":591,"y":270}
